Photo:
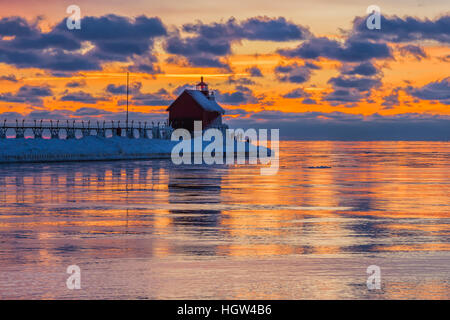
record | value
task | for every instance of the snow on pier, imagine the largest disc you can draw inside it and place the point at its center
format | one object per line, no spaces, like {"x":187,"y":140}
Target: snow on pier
{"x":86,"y":148}
{"x":80,"y":141}
{"x":44,"y":142}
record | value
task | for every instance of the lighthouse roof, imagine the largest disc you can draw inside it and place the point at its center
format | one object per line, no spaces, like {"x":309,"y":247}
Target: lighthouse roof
{"x":208,"y":104}
{"x":201,"y":83}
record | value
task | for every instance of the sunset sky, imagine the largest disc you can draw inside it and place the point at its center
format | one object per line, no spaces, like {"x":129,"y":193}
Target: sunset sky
{"x":312,"y":69}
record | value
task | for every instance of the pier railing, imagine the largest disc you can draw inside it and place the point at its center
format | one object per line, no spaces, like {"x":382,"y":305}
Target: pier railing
{"x":72,"y":129}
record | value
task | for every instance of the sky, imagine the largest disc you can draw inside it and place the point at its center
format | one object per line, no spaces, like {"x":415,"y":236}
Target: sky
{"x":312,"y":69}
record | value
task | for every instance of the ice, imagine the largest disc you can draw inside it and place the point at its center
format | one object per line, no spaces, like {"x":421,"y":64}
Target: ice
{"x":90,"y":148}
{"x":87,"y":148}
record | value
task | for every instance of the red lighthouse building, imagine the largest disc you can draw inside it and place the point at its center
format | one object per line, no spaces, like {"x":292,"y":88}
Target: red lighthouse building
{"x":195,"y":105}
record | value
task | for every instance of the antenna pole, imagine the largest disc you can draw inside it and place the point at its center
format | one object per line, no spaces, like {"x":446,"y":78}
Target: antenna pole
{"x":127,"y":101}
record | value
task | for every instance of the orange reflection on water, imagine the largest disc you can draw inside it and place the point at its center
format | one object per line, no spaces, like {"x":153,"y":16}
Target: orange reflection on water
{"x":329,"y":201}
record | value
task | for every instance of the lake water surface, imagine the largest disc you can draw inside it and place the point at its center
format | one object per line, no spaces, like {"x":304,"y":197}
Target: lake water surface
{"x":153,"y":230}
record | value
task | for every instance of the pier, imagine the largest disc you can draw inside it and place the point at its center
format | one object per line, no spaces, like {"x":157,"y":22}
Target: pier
{"x":72,"y":129}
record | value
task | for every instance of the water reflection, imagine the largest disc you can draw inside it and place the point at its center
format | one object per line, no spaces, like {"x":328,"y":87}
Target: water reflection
{"x":190,"y":185}
{"x":309,"y":232}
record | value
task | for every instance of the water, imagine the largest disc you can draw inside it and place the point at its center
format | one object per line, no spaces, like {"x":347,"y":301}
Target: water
{"x":152,"y":230}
